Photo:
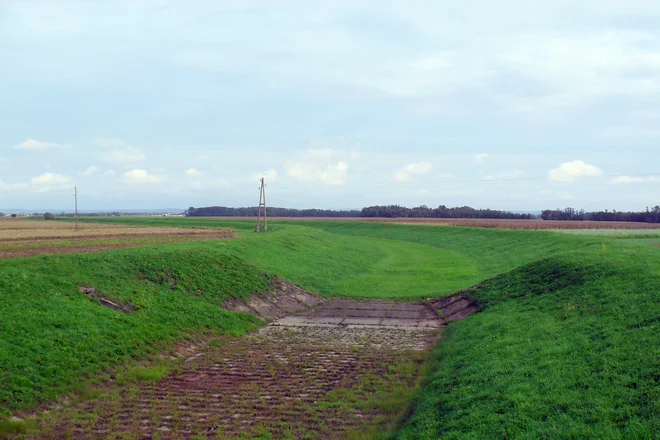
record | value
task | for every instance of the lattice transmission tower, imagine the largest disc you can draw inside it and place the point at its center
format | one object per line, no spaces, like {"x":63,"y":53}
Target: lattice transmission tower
{"x":262,"y":204}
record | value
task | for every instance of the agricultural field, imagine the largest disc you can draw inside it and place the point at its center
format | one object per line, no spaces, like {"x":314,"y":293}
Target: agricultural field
{"x":563,"y":345}
{"x":23,"y":238}
{"x":475,"y":223}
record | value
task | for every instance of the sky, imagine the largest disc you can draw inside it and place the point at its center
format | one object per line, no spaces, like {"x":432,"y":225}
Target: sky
{"x":515,"y":105}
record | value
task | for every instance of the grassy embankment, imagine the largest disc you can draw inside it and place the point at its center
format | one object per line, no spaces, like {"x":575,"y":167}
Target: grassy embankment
{"x":566,"y":345}
{"x":51,"y":335}
{"x":382,"y":260}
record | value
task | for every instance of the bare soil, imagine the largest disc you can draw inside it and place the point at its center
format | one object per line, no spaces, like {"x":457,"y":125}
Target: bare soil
{"x":16,"y":248}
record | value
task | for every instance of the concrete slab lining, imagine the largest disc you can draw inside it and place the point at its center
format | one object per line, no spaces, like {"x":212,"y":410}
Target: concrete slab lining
{"x":291,"y":306}
{"x":366,"y":313}
{"x":372,"y":305}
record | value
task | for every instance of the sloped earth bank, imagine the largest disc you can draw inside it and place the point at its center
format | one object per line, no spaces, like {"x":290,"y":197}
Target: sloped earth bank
{"x":339,"y":369}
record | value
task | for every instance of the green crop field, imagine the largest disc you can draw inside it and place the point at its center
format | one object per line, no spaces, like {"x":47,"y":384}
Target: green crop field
{"x":565,"y":346}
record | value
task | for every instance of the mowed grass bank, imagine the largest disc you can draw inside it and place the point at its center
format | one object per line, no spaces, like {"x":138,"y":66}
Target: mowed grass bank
{"x":564,"y":348}
{"x":566,"y":345}
{"x":382,"y":260}
{"x":52,"y":336}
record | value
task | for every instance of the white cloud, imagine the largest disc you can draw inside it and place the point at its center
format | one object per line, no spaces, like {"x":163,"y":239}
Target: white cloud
{"x":140,"y":176}
{"x":401,"y":176}
{"x":482,"y":157}
{"x":269,"y":176}
{"x":633,"y":179}
{"x":35,"y":145}
{"x":569,"y":171}
{"x":405,"y":174}
{"x":332,"y":174}
{"x":50,"y":179}
{"x":109,"y":173}
{"x":193,"y":172}
{"x":504,"y":175}
{"x":324,"y":165}
{"x":89,"y":171}
{"x":125,"y":156}
{"x":12,"y":186}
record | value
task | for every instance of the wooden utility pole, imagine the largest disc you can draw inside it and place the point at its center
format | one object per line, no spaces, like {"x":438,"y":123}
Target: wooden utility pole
{"x":75,"y":195}
{"x":262,"y":202}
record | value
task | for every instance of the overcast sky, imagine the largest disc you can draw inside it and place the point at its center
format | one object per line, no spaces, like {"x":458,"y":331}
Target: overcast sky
{"x":508,"y":104}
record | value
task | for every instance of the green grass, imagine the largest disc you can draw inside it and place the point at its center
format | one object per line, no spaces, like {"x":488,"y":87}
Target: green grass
{"x":51,"y":335}
{"x":146,"y":374}
{"x":381,"y":260}
{"x":566,"y":345}
{"x":336,"y":265}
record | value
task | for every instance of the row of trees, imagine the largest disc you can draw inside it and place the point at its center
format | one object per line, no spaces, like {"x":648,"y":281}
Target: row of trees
{"x":396,"y":211}
{"x":393,"y":211}
{"x":223,"y":211}
{"x":648,"y":216}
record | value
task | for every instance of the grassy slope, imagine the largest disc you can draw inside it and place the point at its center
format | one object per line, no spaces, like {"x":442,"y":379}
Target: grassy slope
{"x":383,"y":260}
{"x":51,"y":335}
{"x":566,"y":346}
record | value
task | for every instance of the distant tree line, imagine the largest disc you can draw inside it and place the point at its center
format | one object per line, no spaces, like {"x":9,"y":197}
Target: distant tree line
{"x":648,"y":216}
{"x":396,"y":211}
{"x":93,"y":214}
{"x":224,"y":211}
{"x":393,"y":211}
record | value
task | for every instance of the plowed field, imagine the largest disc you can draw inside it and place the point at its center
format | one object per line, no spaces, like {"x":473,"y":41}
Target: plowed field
{"x":26,"y":238}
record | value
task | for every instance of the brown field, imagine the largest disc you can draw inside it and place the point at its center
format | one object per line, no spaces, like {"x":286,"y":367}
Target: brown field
{"x":26,"y":238}
{"x":475,"y":223}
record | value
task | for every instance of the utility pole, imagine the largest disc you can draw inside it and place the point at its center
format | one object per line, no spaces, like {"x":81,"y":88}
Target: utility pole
{"x":262,"y":202}
{"x":75,"y":195}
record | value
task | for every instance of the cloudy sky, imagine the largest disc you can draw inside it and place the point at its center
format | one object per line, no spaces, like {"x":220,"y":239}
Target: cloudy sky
{"x":514,"y":104}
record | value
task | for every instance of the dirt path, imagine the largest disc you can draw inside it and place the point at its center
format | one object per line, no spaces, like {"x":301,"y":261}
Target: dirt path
{"x":340,"y":369}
